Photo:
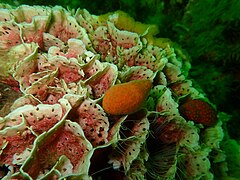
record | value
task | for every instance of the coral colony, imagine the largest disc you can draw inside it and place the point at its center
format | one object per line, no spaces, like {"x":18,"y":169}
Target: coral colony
{"x":100,"y":97}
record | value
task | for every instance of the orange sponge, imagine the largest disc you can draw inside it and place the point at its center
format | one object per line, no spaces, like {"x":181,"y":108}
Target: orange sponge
{"x":126,"y":98}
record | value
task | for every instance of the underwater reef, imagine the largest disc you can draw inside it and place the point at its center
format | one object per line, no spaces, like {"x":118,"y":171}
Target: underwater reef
{"x":88,"y":96}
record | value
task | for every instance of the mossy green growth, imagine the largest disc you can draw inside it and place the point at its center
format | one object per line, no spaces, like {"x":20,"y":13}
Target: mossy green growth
{"x":232,"y":150}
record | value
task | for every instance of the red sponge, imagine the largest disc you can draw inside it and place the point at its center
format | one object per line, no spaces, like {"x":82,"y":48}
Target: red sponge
{"x":199,"y":111}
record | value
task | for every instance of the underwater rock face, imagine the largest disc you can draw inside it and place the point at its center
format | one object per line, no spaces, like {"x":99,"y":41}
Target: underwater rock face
{"x":91,"y":86}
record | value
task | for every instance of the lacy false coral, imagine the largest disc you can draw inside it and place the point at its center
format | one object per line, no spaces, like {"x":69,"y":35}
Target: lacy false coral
{"x":63,"y":64}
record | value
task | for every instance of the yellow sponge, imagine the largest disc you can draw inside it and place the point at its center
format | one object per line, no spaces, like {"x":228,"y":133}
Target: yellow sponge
{"x":126,"y":98}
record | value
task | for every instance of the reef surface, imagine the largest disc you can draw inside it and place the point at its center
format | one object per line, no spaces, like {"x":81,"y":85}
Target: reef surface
{"x":61,"y":64}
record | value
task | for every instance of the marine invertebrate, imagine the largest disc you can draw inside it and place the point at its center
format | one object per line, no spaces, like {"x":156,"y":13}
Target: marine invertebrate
{"x":199,"y":111}
{"x":83,"y":85}
{"x":126,"y":98}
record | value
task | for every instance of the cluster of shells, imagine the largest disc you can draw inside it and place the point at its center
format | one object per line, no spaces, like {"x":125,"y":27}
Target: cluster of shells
{"x":64,"y":62}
